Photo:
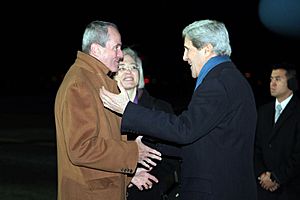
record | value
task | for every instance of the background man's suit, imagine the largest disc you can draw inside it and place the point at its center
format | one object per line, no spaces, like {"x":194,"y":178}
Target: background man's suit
{"x":277,"y":149}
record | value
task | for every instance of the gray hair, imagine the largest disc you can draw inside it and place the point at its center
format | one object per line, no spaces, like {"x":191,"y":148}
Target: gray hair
{"x":208,"y":32}
{"x":133,"y":54}
{"x":96,"y":32}
{"x":141,"y":73}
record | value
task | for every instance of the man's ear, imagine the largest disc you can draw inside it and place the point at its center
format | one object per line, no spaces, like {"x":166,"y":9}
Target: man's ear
{"x":208,"y":48}
{"x":96,"y":49}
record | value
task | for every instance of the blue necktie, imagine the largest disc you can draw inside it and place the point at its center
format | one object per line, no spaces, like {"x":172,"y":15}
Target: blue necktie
{"x":277,"y":113}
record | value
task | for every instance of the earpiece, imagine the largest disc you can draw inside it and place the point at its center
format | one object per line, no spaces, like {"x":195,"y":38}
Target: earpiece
{"x":292,"y":84}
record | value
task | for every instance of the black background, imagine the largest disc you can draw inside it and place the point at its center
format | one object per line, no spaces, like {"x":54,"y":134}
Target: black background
{"x":40,"y":42}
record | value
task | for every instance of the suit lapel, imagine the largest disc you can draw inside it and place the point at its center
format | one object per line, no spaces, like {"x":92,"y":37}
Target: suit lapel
{"x":286,"y":113}
{"x":270,"y":121}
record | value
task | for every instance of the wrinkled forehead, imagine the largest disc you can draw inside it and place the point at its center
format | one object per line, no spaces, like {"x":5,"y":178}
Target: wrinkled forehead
{"x":114,"y":36}
{"x":187,"y":42}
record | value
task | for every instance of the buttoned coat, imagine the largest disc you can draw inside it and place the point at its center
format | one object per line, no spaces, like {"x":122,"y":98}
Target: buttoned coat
{"x":93,"y":157}
{"x":277,"y":148}
{"x":217,"y":131}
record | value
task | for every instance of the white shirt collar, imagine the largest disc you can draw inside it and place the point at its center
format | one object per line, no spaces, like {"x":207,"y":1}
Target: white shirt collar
{"x":284,"y":102}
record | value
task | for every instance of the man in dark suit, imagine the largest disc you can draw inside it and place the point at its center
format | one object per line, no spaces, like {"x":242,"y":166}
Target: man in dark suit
{"x":277,"y":144}
{"x":218,"y":128}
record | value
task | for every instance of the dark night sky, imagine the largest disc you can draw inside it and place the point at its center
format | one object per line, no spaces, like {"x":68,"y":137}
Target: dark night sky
{"x":41,"y":40}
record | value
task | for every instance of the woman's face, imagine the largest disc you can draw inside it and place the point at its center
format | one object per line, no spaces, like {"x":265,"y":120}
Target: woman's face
{"x":128,"y":73}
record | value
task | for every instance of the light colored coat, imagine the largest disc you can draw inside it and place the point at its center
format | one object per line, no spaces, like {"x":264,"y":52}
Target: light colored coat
{"x":93,"y":158}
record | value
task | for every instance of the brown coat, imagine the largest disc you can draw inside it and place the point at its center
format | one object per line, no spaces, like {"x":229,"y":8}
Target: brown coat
{"x":93,"y":157}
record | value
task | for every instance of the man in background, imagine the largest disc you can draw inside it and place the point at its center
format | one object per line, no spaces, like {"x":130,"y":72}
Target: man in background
{"x":277,"y":145}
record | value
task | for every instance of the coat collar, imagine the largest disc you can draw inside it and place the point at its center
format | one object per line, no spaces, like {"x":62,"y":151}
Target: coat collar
{"x":92,"y":64}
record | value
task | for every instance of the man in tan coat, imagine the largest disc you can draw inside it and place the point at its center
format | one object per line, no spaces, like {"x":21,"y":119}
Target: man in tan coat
{"x":94,"y":159}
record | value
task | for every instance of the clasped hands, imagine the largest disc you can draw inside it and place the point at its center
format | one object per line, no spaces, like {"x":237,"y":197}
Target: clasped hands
{"x":266,"y":182}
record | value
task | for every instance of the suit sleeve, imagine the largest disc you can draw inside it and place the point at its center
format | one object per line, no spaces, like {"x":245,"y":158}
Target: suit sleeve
{"x":206,"y":109}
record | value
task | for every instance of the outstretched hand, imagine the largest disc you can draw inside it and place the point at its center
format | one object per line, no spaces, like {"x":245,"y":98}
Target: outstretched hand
{"x":115,"y":102}
{"x":147,"y":154}
{"x":143,"y":179}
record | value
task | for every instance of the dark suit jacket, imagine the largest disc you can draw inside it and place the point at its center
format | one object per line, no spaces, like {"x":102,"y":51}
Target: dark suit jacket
{"x":277,"y":147}
{"x":217,"y":131}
